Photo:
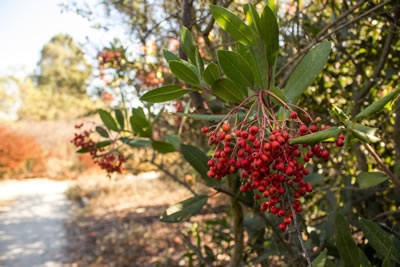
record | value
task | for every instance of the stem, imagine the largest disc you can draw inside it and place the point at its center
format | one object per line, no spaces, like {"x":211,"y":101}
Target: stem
{"x":385,"y":169}
{"x":238,"y":226}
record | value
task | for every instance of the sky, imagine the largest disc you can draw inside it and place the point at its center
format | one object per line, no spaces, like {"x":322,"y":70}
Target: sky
{"x":26,"y":25}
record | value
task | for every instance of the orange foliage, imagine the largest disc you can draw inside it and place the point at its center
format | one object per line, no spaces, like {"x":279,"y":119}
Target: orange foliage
{"x":20,"y":155}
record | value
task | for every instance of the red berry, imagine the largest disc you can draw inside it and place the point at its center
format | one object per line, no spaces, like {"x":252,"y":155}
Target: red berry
{"x":253,"y":130}
{"x":283,"y":226}
{"x":313,"y":128}
{"x":225,"y":127}
{"x":204,"y":130}
{"x":293,"y":115}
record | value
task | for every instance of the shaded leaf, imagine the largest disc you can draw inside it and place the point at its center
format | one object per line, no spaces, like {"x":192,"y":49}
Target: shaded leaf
{"x":364,"y":259}
{"x":207,"y":117}
{"x":163,"y":147}
{"x":165,"y":93}
{"x":139,"y":123}
{"x":102,"y":132}
{"x":269,"y":32}
{"x":324,"y":135}
{"x":108,"y":120}
{"x":211,"y":73}
{"x":168,"y":55}
{"x":174,"y":140}
{"x":307,"y":70}
{"x":232,"y":24}
{"x":227,"y":90}
{"x":136,"y":142}
{"x":188,"y":45}
{"x":236,"y":68}
{"x":184,"y":210}
{"x":184,"y":72}
{"x":198,"y":160}
{"x":345,"y":244}
{"x":371,"y":179}
{"x":321,"y":259}
{"x":378,"y":105}
{"x":381,"y":241}
{"x":104,"y":143}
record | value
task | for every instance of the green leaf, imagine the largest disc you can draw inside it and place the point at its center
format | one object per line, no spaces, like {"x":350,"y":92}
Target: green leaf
{"x":183,"y":72}
{"x":174,"y":140}
{"x":232,"y":24}
{"x":227,"y":90}
{"x":204,"y":117}
{"x":321,"y":259}
{"x":308,"y":69}
{"x":378,"y":105}
{"x":371,"y":179}
{"x":198,"y":160}
{"x":364,"y":259}
{"x":381,"y":241}
{"x":139,"y":123}
{"x":248,"y":55}
{"x":108,"y":120}
{"x":314,"y":178}
{"x":136,"y":142}
{"x":317,"y":137}
{"x":252,"y":17}
{"x":164,"y":93}
{"x":188,"y":45}
{"x":120,"y":118}
{"x":269,"y":32}
{"x":236,"y":68}
{"x":163,"y":147}
{"x":168,"y":55}
{"x":104,"y":143}
{"x":364,"y":133}
{"x":102,"y":132}
{"x":199,"y":63}
{"x":211,"y":73}
{"x":278,"y":96}
{"x":344,"y":242}
{"x":184,"y":210}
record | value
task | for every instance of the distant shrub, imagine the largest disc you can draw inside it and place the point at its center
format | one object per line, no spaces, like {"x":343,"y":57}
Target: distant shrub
{"x":20,"y":155}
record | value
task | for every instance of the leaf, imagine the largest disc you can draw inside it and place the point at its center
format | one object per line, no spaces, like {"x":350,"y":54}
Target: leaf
{"x":188,"y":45}
{"x":317,"y":137}
{"x":364,"y":259}
{"x":308,"y":69}
{"x":183,"y":72}
{"x":174,"y":140}
{"x":198,"y":160}
{"x":184,"y":210}
{"x":269,"y":32}
{"x":236,"y":68}
{"x":232,"y":24}
{"x":314,"y":178}
{"x":344,"y":242}
{"x":362,"y":132}
{"x":168,"y":55}
{"x":120,"y":118}
{"x":252,"y":17}
{"x":139,"y":123}
{"x":211,"y":73}
{"x":381,"y":241}
{"x":164,"y":93}
{"x":136,"y":142}
{"x":204,"y":117}
{"x":102,"y":132}
{"x":199,"y":63}
{"x":378,"y":105}
{"x":248,"y":55}
{"x":227,"y":90}
{"x":321,"y":259}
{"x":371,"y":179}
{"x":108,"y":120}
{"x":278,"y":96}
{"x":163,"y":147}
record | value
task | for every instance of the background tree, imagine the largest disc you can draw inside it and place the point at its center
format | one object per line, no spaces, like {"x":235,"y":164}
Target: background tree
{"x":62,"y":66}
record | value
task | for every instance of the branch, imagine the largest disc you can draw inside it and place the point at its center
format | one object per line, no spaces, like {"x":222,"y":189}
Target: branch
{"x":196,"y":250}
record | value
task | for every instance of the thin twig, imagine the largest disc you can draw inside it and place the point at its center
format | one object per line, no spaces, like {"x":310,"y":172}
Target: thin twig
{"x":385,"y":169}
{"x":196,"y":250}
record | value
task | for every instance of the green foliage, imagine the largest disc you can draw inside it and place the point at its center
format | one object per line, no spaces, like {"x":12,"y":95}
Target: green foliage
{"x":344,"y":242}
{"x":321,"y":136}
{"x":371,"y":179}
{"x":165,"y":93}
{"x":183,"y":210}
{"x":227,"y":90}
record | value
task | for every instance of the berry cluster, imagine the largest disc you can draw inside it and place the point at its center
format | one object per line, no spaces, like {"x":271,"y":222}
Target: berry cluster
{"x":269,"y":165}
{"x":111,"y":161}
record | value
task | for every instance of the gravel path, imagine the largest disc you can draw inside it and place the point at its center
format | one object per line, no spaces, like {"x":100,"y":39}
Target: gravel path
{"x":32,"y":223}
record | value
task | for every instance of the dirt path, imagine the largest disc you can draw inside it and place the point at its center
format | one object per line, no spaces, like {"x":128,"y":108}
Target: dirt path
{"x":31,"y":223}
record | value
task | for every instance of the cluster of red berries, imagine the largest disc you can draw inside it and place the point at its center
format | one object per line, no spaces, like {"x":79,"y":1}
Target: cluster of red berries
{"x":269,"y":165}
{"x":111,"y":161}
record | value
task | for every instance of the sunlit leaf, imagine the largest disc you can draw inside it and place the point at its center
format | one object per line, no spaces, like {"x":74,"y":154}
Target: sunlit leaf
{"x":184,"y":210}
{"x":321,"y":136}
{"x":168,"y":55}
{"x":345,"y":244}
{"x":307,"y":70}
{"x":371,"y":179}
{"x":232,"y":24}
{"x":120,"y":118}
{"x":321,"y":259}
{"x":378,"y":105}
{"x":164,"y":93}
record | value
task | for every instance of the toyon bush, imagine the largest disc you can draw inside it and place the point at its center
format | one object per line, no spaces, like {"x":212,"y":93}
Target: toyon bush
{"x":20,"y":155}
{"x":262,"y":149}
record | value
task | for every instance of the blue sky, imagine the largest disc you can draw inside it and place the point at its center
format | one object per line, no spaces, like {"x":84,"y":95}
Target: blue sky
{"x":26,"y":25}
